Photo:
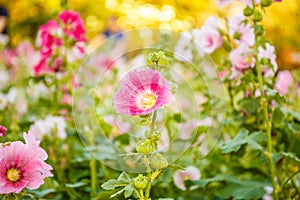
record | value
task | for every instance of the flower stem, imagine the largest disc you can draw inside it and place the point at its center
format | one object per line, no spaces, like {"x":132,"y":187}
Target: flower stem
{"x":268,"y":126}
{"x":147,"y":193}
{"x":93,"y":176}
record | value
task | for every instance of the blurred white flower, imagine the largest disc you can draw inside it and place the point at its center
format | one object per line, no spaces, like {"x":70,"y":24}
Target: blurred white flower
{"x":51,"y":125}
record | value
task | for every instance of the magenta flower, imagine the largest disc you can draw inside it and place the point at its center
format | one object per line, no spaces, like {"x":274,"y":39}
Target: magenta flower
{"x":73,"y":25}
{"x":208,"y":37}
{"x":22,"y":165}
{"x":2,"y":131}
{"x":141,"y":92}
{"x":190,"y":173}
{"x":284,"y":81}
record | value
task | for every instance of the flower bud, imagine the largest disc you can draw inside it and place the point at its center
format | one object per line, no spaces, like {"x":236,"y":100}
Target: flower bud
{"x":145,"y":146}
{"x":140,"y":182}
{"x":157,"y":59}
{"x":266,"y":3}
{"x":158,"y":161}
{"x":248,"y":11}
{"x":257,"y":16}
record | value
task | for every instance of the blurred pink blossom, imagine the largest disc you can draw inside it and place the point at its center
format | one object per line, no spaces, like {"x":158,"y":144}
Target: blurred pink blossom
{"x":208,"y":37}
{"x":283,"y":82}
{"x":190,"y":173}
{"x":241,"y":58}
{"x":73,"y":25}
{"x":268,"y":53}
{"x":245,"y":32}
{"x":2,"y":131}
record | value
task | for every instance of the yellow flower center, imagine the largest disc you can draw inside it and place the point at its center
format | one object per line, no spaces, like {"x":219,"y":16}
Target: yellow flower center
{"x":147,"y":100}
{"x":13,"y":175}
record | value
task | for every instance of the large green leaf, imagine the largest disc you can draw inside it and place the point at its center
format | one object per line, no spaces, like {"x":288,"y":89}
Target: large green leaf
{"x":242,"y":138}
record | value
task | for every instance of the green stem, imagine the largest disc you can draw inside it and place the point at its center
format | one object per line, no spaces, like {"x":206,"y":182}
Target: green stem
{"x":152,"y":126}
{"x":288,"y":179}
{"x":267,"y":120}
{"x":268,"y":126}
{"x":147,"y":193}
{"x":93,"y":176}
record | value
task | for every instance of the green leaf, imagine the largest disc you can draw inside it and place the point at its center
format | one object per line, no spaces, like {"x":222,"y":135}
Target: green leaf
{"x":291,"y":155}
{"x":117,"y":193}
{"x":124,"y":177}
{"x":128,"y":191}
{"x":250,"y":105}
{"x":75,"y":185}
{"x":244,"y":138}
{"x":112,"y":184}
{"x":278,"y":117}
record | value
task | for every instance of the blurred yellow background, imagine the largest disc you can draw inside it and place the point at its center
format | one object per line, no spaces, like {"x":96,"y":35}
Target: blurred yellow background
{"x":281,"y":19}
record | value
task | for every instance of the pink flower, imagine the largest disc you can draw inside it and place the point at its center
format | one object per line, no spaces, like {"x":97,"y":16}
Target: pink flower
{"x":141,"y":92}
{"x":283,"y":82}
{"x":241,"y":58}
{"x":73,"y":25}
{"x":2,"y":131}
{"x":180,"y":176}
{"x":242,"y":33}
{"x":208,"y":37}
{"x":22,"y":165}
{"x":250,"y":3}
{"x":224,"y":2}
{"x":67,"y":99}
{"x":268,"y":53}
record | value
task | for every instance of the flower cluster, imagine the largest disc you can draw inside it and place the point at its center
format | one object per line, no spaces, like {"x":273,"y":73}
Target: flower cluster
{"x":60,"y":41}
{"x":22,"y":165}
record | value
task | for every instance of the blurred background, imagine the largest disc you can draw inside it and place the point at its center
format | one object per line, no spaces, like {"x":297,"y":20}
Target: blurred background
{"x":282,"y":19}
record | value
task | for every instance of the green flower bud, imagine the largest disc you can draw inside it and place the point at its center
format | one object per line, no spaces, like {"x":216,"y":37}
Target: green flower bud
{"x":140,"y":182}
{"x":257,"y":16}
{"x":157,"y":161}
{"x":157,"y":58}
{"x":248,"y":11}
{"x":259,"y":30}
{"x":145,"y":146}
{"x":266,"y":3}
{"x":237,"y":35}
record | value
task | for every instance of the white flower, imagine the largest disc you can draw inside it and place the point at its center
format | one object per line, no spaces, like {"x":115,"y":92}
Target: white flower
{"x":51,"y":125}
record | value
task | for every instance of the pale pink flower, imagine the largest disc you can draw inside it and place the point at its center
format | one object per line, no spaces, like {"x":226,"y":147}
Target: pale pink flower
{"x":224,"y":2}
{"x":268,"y":53}
{"x":237,"y":26}
{"x":141,"y":92}
{"x":241,"y":58}
{"x":22,"y":165}
{"x":250,"y":3}
{"x":2,"y":131}
{"x":190,"y":173}
{"x":208,"y":37}
{"x":67,"y":99}
{"x":284,"y":81}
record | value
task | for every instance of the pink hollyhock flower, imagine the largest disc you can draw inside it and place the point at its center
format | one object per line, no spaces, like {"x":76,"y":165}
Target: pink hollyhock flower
{"x":141,"y":92}
{"x":284,"y":81}
{"x":67,"y":99}
{"x":73,"y":25}
{"x":250,"y":3}
{"x":241,"y":58}
{"x":268,"y":53}
{"x":224,"y":2}
{"x":242,"y":33}
{"x":208,"y":37}
{"x":22,"y":165}
{"x":180,"y":176}
{"x":2,"y":131}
